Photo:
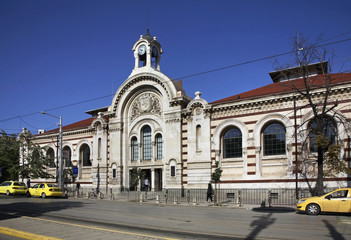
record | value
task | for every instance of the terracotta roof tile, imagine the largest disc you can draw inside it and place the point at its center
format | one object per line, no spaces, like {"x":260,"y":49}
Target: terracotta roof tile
{"x":284,"y":87}
{"x":75,"y":126}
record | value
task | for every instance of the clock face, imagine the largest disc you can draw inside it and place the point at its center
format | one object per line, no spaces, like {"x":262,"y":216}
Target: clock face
{"x":154,"y":51}
{"x":142,"y":50}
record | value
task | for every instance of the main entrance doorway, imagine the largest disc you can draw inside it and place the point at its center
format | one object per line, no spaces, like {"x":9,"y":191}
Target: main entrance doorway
{"x":158,"y":179}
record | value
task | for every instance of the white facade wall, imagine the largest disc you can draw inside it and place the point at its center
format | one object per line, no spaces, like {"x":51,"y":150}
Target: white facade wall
{"x":192,"y":135}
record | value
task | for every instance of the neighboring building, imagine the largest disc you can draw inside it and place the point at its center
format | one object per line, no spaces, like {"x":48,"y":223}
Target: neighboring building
{"x":153,"y":125}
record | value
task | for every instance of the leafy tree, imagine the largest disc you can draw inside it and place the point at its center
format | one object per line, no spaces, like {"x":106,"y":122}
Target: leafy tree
{"x":9,"y":155}
{"x":216,"y":178}
{"x":136,"y":175}
{"x":33,"y":163}
{"x":309,"y":59}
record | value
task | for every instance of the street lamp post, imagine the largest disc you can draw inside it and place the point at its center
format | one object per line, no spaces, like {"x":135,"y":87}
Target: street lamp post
{"x":60,"y":182}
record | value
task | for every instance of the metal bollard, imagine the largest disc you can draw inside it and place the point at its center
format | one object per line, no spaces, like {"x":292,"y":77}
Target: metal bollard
{"x":157,"y":199}
{"x":239,"y":198}
{"x":175,"y":201}
{"x":188,"y":196}
{"x":112,"y":197}
{"x":269,"y":199}
{"x":194,"y":201}
{"x":141,"y":197}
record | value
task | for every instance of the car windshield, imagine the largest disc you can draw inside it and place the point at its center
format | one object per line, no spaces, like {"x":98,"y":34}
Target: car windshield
{"x":18,"y":184}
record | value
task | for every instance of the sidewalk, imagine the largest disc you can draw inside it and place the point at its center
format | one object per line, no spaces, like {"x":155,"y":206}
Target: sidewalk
{"x":231,"y":205}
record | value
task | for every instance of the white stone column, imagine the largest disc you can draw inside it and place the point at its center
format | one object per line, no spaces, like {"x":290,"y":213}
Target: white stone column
{"x":258,"y":161}
{"x":152,"y":179}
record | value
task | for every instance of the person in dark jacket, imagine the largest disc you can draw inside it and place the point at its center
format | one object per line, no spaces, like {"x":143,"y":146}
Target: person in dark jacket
{"x":209,"y":192}
{"x":28,"y":183}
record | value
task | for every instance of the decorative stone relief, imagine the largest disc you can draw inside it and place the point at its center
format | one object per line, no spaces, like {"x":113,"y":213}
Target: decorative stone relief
{"x":146,"y":103}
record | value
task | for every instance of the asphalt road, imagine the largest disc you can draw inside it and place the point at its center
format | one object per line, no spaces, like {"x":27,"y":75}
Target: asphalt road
{"x":105,"y":219}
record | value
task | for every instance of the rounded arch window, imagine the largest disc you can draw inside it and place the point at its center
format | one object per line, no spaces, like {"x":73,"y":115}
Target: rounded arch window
{"x":147,"y":143}
{"x":134,"y":149}
{"x":274,"y":140}
{"x":85,"y":155}
{"x":232,"y":143}
{"x":66,"y":154}
{"x":114,"y":171}
{"x":325,"y":127}
{"x":159,"y":143}
{"x":50,"y":154}
{"x":172,"y":166}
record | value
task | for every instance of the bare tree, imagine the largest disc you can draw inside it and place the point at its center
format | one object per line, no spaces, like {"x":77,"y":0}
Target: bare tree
{"x":314,"y":83}
{"x":32,"y":163}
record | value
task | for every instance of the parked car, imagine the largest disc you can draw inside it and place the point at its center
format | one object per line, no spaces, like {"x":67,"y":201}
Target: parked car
{"x":44,"y":190}
{"x":337,"y":201}
{"x":13,"y":187}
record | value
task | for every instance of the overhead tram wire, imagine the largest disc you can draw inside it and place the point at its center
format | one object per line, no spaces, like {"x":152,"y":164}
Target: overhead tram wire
{"x":51,"y":109}
{"x":257,"y":60}
{"x":187,"y":76}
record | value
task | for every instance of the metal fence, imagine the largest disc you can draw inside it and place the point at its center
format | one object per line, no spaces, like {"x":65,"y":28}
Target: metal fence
{"x":258,"y":197}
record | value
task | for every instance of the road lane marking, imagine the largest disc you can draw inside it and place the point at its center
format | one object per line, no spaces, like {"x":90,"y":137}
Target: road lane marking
{"x":101,"y":229}
{"x":25,"y":235}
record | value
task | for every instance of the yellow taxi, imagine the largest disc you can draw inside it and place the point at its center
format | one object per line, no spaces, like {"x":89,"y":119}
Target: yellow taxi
{"x":13,"y":187}
{"x":44,"y":190}
{"x":337,"y":201}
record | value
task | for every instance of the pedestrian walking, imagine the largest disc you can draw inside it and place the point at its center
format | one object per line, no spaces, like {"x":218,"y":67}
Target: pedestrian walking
{"x":28,"y":183}
{"x":77,"y":188}
{"x":209,"y":192}
{"x":147,"y":184}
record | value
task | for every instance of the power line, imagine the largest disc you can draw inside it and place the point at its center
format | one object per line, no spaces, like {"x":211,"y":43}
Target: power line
{"x":187,"y":76}
{"x":51,"y":109}
{"x":256,"y":60}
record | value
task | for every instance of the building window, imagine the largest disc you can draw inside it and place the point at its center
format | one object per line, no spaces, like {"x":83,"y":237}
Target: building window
{"x":85,"y":155}
{"x":66,"y":155}
{"x":232,"y":143}
{"x":50,"y":154}
{"x":99,"y":149}
{"x":147,"y":144}
{"x":198,"y":138}
{"x":158,"y":146}
{"x":173,"y":168}
{"x":326,"y":128}
{"x":114,"y":171}
{"x":134,"y":149}
{"x":274,"y":140}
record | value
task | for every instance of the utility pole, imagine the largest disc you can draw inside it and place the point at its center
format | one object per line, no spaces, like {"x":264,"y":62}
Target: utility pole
{"x":60,"y":177}
{"x":296,"y":158}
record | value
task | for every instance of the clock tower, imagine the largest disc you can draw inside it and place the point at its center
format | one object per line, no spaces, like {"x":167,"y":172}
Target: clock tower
{"x":147,"y":52}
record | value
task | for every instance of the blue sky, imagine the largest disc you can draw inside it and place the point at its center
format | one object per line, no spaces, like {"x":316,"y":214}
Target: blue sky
{"x":60,"y":52}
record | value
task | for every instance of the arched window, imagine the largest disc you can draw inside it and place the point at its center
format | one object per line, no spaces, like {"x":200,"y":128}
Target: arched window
{"x":134,"y":149}
{"x":147,"y":144}
{"x":114,"y":171}
{"x":66,"y":154}
{"x":274,"y":139}
{"x":172,"y":168}
{"x":99,"y":148}
{"x":158,"y":141}
{"x":321,"y":126}
{"x":198,"y":138}
{"x":232,"y":143}
{"x":85,"y":155}
{"x":50,"y":154}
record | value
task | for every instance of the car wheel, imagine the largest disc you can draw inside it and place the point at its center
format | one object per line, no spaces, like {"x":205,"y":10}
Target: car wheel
{"x":8,"y":193}
{"x":43,"y":195}
{"x":313,"y":209}
{"x":28,"y":194}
